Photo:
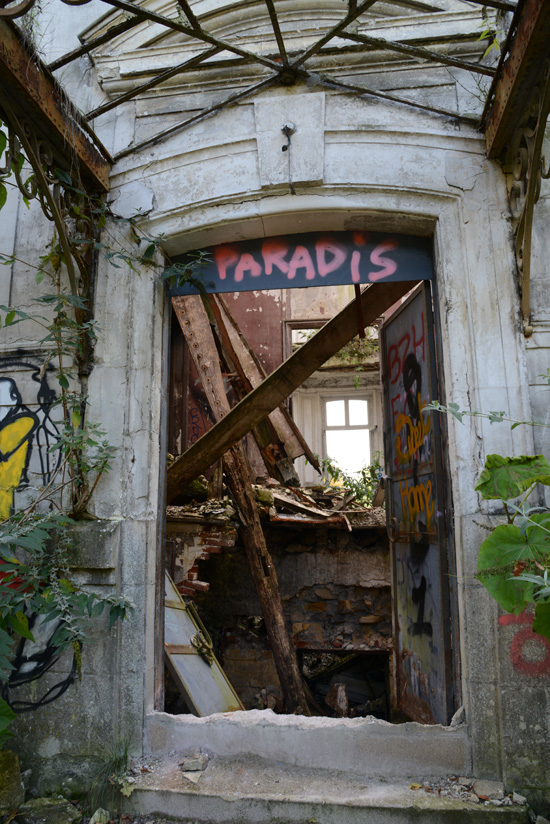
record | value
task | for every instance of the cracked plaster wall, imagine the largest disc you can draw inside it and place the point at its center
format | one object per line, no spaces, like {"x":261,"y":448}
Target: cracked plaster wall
{"x":384,"y":167}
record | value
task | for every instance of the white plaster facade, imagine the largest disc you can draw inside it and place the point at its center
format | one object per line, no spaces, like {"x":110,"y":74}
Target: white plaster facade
{"x":357,"y":163}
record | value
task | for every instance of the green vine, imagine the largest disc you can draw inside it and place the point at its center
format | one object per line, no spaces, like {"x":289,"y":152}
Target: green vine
{"x":514,"y":559}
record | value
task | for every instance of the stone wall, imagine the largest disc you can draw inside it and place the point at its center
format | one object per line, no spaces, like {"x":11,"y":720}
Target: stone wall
{"x":335,"y":589}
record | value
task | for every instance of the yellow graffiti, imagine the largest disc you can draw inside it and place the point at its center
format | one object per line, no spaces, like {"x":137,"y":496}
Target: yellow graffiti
{"x":415,"y":500}
{"x":14,"y":445}
{"x":415,"y":434}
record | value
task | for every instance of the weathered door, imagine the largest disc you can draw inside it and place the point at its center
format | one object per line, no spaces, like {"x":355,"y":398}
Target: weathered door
{"x":415,"y":503}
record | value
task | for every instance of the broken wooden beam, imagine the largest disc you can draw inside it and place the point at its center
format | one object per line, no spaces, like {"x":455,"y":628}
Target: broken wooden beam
{"x":269,"y":394}
{"x":286,"y":427}
{"x":195,"y":326}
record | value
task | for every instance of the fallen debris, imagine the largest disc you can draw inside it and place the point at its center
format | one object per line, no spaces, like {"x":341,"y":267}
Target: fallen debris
{"x":194,"y":763}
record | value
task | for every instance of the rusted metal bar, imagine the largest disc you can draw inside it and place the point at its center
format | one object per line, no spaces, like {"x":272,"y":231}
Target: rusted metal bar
{"x":419,"y":51}
{"x":277,"y":31}
{"x":503,"y":5}
{"x":114,"y":31}
{"x":27,"y":85}
{"x":190,"y":14}
{"x":520,"y":73}
{"x":232,"y":98}
{"x":337,"y":84}
{"x":150,"y":84}
{"x":199,"y":34}
{"x":334,"y":32}
{"x":375,"y":299}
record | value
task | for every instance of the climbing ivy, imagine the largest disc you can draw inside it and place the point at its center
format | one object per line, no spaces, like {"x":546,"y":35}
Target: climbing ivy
{"x":514,"y":559}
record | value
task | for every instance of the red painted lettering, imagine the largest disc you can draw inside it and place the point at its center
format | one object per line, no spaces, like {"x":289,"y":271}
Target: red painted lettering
{"x":301,"y":259}
{"x":247,"y":264}
{"x":323,"y":247}
{"x":355,"y":261}
{"x":389,"y":266}
{"x":396,"y":358}
{"x":273,"y":253}
{"x":225,"y":256}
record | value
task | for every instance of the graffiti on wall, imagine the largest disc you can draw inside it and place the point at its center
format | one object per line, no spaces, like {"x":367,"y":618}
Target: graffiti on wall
{"x":27,"y":431}
{"x":312,"y":259}
{"x":523,"y":640}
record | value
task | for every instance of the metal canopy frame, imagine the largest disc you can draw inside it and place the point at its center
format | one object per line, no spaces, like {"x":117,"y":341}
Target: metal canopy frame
{"x":285,"y":67}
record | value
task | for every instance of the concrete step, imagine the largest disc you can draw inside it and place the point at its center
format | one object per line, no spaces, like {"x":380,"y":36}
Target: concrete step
{"x":250,"y":790}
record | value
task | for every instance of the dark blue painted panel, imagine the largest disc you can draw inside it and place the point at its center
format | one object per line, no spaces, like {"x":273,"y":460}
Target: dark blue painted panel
{"x":312,"y":259}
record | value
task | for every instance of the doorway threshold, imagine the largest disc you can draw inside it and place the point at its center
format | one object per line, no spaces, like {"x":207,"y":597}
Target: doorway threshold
{"x":250,"y":790}
{"x":367,"y":746}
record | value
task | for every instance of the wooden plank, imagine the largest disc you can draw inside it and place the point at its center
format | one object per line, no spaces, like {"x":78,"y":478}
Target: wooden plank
{"x":285,"y":426}
{"x":375,"y":299}
{"x":196,"y":328}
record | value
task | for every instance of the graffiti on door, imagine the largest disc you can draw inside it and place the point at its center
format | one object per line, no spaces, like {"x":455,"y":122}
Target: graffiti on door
{"x":414,"y":520}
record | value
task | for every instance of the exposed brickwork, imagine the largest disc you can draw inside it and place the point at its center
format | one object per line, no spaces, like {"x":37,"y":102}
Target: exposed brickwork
{"x":190,"y":544}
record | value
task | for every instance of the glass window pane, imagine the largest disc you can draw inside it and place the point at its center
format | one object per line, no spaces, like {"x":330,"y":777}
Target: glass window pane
{"x":350,"y":449}
{"x":336,"y":413}
{"x":358,"y":413}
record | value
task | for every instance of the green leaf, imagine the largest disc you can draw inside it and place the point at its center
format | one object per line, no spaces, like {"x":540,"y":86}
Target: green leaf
{"x":506,"y":478}
{"x":3,"y":194}
{"x":6,"y":717}
{"x":63,"y":381}
{"x":502,"y":549}
{"x":3,"y":143}
{"x":63,"y":177}
{"x":76,"y":418}
{"x":9,"y":318}
{"x":20,"y":623}
{"x":149,"y":252}
{"x":40,"y":276}
{"x":541,"y":622}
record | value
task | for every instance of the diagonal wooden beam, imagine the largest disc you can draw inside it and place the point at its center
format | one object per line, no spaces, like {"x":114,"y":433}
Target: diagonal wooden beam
{"x":233,"y":98}
{"x":269,"y":394}
{"x":150,"y":84}
{"x":277,"y":31}
{"x":419,"y":51}
{"x":351,"y":87}
{"x":114,"y":31}
{"x":334,"y":32}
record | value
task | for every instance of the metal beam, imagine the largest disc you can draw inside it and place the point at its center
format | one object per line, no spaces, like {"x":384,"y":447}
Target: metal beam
{"x":419,"y":51}
{"x":277,"y":31}
{"x":177,"y":127}
{"x":337,"y":84}
{"x":190,"y":14}
{"x":114,"y":31}
{"x":160,"y":78}
{"x":198,"y":34}
{"x":28,"y":87}
{"x":334,"y":32}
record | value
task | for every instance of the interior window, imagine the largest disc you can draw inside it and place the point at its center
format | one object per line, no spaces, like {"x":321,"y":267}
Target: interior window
{"x":347,"y":435}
